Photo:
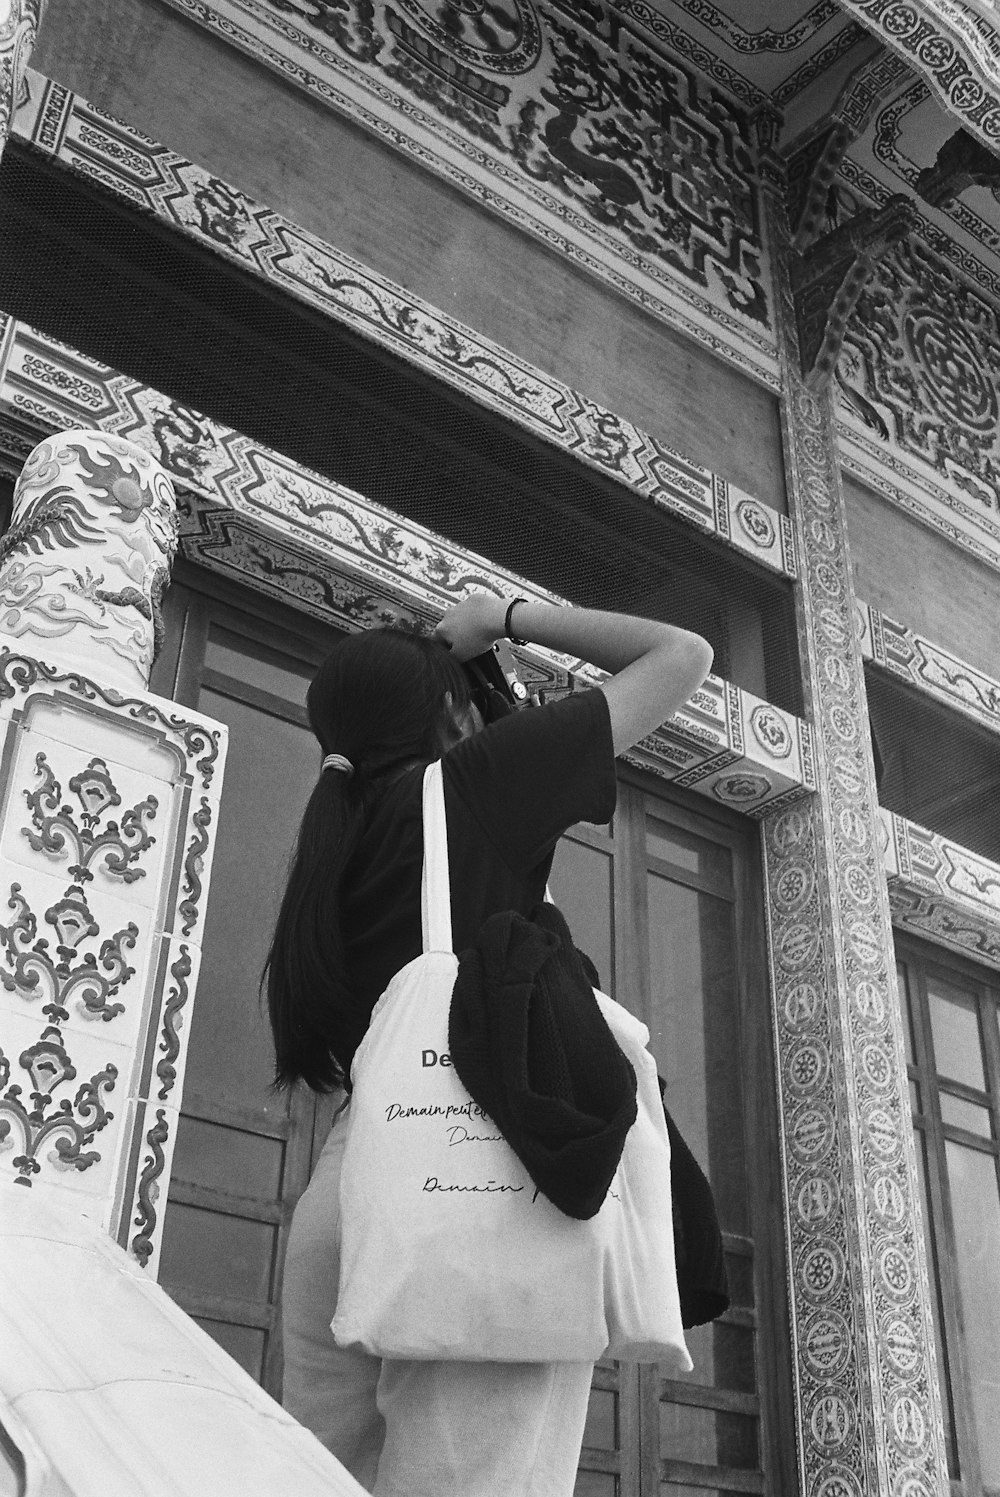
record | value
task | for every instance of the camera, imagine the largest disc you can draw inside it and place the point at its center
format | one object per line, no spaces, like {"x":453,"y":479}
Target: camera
{"x":494,"y":684}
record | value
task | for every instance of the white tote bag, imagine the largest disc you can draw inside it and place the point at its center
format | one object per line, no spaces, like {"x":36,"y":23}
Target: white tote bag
{"x":448,"y":1250}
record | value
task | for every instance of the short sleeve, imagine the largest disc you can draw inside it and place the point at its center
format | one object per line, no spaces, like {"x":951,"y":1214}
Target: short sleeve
{"x":530,"y":776}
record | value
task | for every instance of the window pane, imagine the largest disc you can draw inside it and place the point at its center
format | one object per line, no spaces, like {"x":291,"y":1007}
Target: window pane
{"x":582,"y":886}
{"x":902,"y":981}
{"x":694,"y":1027}
{"x":708,"y":1436}
{"x":244,"y":1343}
{"x":595,"y":1484}
{"x":723,"y":1356}
{"x":968,"y":1115}
{"x":601,"y":1430}
{"x":934,"y":1272}
{"x":975,"y":1202}
{"x":271,"y":768}
{"x":209,"y":1253}
{"x":955,"y":1030}
{"x":228,"y":1159}
{"x":739,"y":1271}
{"x":695,"y":854}
{"x":249,"y":662}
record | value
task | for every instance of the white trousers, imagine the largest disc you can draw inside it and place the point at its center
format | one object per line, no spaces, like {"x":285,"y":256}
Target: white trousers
{"x":417,"y":1429}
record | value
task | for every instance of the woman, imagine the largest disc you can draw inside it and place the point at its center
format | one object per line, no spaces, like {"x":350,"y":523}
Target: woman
{"x":384,"y":705}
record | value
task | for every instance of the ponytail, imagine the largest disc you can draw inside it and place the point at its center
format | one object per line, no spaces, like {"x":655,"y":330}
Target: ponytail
{"x":305,"y":965}
{"x":380,"y":699}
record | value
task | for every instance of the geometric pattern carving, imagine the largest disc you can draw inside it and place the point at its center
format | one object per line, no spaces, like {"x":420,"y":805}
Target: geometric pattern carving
{"x":254,"y":515}
{"x":227,"y":222}
{"x":867,"y":1422}
{"x":911,"y":658}
{"x":941,"y":891}
{"x":599,"y":144}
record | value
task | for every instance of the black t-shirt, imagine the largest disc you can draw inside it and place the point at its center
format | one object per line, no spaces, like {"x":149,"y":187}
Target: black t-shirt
{"x":511,"y":791}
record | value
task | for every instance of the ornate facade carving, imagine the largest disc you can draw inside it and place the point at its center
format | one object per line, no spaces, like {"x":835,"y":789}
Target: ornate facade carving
{"x":919,"y":409}
{"x":568,"y":123}
{"x":19,"y":22}
{"x":830,"y":277}
{"x":941,"y":891}
{"x":955,"y":50}
{"x":868,"y":1419}
{"x":911,"y":658}
{"x":813,"y":163}
{"x":87,"y":555}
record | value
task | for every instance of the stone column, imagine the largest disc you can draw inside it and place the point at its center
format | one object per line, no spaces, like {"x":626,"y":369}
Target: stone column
{"x":19,"y":23}
{"x":869,"y":1416}
{"x":109,"y":804}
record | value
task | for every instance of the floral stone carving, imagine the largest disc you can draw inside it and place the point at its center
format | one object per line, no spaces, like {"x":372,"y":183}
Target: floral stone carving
{"x":86,"y":560}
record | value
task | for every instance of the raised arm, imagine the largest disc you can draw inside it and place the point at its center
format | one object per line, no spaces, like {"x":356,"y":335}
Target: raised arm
{"x":655,"y":667}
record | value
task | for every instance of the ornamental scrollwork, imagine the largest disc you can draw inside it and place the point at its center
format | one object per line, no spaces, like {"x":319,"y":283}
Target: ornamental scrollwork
{"x":194,"y":860}
{"x":64,"y":976}
{"x":70,"y":1125}
{"x":149,"y":1189}
{"x":170,"y":1045}
{"x":18,"y":673}
{"x":119,"y":845}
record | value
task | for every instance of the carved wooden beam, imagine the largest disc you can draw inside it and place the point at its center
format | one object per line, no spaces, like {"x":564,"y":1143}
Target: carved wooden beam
{"x":828,"y":279}
{"x":814,"y":159}
{"x":961,"y":162}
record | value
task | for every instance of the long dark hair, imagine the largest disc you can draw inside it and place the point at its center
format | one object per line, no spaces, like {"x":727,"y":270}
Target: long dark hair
{"x":379,"y":698}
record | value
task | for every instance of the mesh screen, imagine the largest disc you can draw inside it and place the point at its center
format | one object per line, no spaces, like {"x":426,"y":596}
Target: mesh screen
{"x":938,"y":768}
{"x":87,"y":270}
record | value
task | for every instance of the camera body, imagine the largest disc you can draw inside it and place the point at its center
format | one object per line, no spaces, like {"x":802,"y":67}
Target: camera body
{"x":494,"y":684}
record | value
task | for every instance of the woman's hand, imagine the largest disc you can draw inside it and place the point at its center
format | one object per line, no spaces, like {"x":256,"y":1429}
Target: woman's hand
{"x":472,"y":626}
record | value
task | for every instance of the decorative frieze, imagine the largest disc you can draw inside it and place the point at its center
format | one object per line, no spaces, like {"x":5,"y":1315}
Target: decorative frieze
{"x":868,"y":1418}
{"x":907,"y":655}
{"x":109,"y":805}
{"x":941,"y":891}
{"x":155,"y":179}
{"x":252,"y":514}
{"x":563,"y":119}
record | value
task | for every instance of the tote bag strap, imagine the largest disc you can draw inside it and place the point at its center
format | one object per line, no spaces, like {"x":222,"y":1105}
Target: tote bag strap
{"x":435,"y":885}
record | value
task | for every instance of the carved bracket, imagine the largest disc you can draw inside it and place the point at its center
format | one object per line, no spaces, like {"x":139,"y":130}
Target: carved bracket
{"x":828,"y":279}
{"x":960,"y":163}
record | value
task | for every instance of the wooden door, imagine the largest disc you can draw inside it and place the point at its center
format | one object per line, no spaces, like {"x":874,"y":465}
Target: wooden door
{"x":664,"y":901}
{"x":243,"y":1151}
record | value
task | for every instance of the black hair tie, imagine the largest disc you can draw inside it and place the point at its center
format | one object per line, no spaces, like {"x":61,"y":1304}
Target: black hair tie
{"x":506,"y":623}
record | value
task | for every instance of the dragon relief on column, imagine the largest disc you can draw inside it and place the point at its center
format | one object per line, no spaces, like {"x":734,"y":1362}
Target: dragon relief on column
{"x":90,"y":546}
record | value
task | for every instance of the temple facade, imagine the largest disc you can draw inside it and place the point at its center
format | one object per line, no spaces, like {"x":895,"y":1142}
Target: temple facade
{"x":317,"y":314}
